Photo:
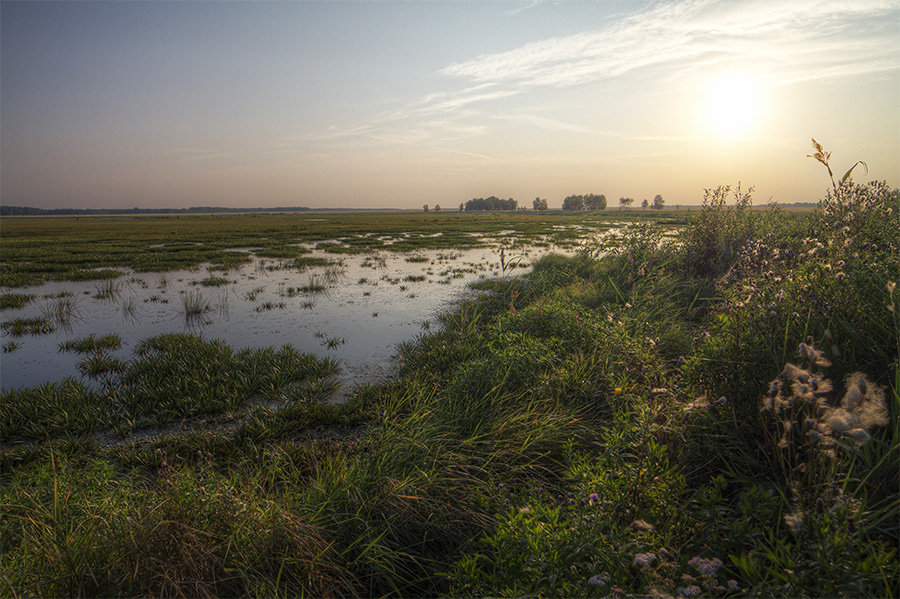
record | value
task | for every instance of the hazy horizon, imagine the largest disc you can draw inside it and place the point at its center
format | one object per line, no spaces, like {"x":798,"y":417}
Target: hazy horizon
{"x":396,"y":105}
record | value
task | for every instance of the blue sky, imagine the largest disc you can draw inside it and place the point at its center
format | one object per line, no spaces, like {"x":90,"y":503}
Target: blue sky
{"x":398,"y":104}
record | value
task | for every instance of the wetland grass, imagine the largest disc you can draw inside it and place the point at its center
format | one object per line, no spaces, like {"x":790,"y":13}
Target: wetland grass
{"x":549,"y":436}
{"x":253,"y":293}
{"x":19,"y":327}
{"x":130,"y":308}
{"x":314,"y":284}
{"x":14,"y":301}
{"x":106,"y":290}
{"x":92,"y":344}
{"x":60,"y":310}
{"x":213,"y":281}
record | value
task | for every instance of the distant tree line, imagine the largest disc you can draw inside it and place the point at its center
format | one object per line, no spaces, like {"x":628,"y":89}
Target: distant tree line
{"x":491,"y":203}
{"x":28,"y":211}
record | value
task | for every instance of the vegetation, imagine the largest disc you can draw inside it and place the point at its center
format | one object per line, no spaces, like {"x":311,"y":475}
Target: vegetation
{"x":491,"y":203}
{"x":590,"y":201}
{"x":714,"y":416}
{"x":69,"y":249}
{"x":15,"y":300}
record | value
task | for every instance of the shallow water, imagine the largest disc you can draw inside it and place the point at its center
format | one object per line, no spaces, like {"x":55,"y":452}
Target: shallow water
{"x":369,"y":304}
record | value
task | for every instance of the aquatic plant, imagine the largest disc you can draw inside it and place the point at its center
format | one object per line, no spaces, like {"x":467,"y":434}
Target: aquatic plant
{"x":106,"y":290}
{"x":20,"y":327}
{"x":130,"y":307}
{"x":253,"y":293}
{"x":60,"y":310}
{"x":313,"y":285}
{"x":212,"y":281}
{"x":15,"y":300}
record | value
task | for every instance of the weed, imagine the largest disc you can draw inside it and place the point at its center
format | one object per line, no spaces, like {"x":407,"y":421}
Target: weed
{"x":213,"y":282}
{"x":14,"y":300}
{"x":106,"y":290}
{"x":253,"y":293}
{"x":20,"y":327}
{"x":60,"y":311}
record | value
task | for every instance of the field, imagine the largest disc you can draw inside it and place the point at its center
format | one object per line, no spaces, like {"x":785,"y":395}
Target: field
{"x":699,"y":404}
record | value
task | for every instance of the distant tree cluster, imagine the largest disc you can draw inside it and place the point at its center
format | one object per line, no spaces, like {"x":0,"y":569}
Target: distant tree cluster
{"x":590,"y":201}
{"x":491,"y":203}
{"x":539,"y":204}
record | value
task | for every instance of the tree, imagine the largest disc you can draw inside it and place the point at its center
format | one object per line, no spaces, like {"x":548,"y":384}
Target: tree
{"x":539,"y":204}
{"x":644,"y":204}
{"x":593,"y":201}
{"x":625,"y":202}
{"x":462,"y":206}
{"x":437,"y":207}
{"x":491,"y":203}
{"x":425,"y":207}
{"x":573,"y":203}
{"x":658,"y":202}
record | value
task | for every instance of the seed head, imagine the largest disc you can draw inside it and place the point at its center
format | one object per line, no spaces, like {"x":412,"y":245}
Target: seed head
{"x":857,"y":435}
{"x":794,"y":522}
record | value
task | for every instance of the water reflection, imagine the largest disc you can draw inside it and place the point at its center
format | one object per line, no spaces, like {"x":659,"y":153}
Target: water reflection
{"x":354,"y":309}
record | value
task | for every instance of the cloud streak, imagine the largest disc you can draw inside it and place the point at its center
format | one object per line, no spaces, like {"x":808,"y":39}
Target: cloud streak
{"x":791,"y":42}
{"x":674,"y":34}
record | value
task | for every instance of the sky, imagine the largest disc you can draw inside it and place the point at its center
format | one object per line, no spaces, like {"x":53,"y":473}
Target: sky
{"x":156,"y":104}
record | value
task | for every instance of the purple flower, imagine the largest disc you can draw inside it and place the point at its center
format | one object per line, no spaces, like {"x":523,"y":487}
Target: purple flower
{"x":706,"y":567}
{"x":644,"y":559}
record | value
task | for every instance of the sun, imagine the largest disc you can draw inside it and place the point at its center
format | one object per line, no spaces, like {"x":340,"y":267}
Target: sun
{"x":733,"y":104}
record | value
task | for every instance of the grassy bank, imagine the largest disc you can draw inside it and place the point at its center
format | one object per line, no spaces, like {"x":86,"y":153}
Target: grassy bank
{"x":713,"y":416}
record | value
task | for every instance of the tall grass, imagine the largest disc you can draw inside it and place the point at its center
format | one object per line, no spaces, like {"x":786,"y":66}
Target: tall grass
{"x":590,"y":429}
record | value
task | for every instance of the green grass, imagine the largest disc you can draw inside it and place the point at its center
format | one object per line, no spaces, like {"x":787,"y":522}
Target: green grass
{"x":592,"y":428}
{"x":43,"y":249}
{"x":15,"y":300}
{"x":19,"y":327}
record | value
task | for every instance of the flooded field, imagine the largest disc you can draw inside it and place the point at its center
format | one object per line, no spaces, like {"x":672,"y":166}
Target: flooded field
{"x":352,"y":308}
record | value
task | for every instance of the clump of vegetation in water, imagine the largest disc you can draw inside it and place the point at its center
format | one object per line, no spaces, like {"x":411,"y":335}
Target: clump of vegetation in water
{"x":19,"y":327}
{"x":14,"y":300}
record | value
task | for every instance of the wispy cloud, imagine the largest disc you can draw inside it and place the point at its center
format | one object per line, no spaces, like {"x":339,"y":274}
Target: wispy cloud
{"x":193,"y":154}
{"x":792,"y":41}
{"x":795,"y":35}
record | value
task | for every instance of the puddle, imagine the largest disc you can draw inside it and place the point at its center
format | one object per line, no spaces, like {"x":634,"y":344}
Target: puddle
{"x":355,"y":310}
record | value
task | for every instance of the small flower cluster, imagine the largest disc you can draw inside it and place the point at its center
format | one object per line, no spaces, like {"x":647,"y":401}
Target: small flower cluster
{"x":644,"y":560}
{"x":862,"y":407}
{"x":708,"y":569}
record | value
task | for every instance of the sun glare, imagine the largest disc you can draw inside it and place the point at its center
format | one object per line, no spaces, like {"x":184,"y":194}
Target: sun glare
{"x":732,"y":105}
